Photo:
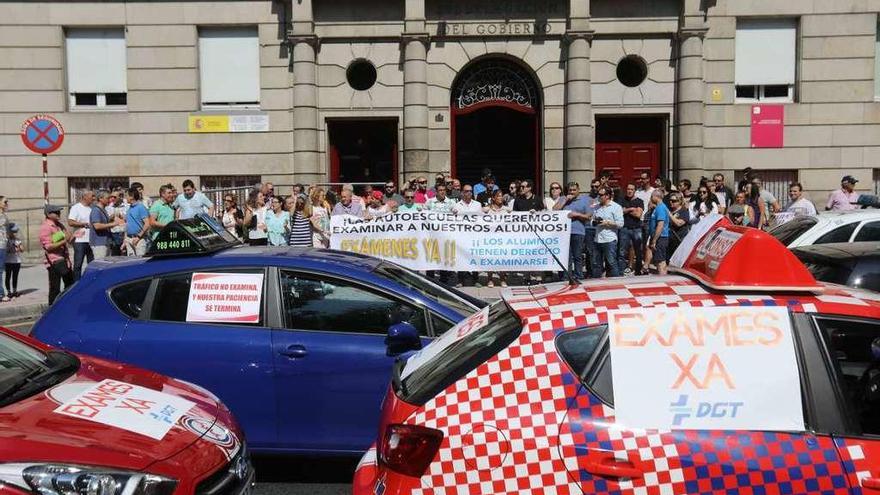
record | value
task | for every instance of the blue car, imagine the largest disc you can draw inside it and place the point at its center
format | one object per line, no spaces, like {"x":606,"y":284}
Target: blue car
{"x":305,"y":372}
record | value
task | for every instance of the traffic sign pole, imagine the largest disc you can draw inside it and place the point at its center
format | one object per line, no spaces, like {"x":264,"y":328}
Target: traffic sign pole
{"x":46,"y":178}
{"x":43,"y":134}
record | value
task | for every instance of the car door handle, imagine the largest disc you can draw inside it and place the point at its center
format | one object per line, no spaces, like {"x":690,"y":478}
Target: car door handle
{"x":871,"y":483}
{"x":294,"y":351}
{"x":610,"y":467}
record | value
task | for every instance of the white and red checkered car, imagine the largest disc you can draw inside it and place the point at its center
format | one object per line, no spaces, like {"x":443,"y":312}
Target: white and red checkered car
{"x":739,"y":374}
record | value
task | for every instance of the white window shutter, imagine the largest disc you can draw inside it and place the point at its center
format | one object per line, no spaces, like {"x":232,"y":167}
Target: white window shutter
{"x":765,"y":51}
{"x":229,"y":65}
{"x":96,"y":61}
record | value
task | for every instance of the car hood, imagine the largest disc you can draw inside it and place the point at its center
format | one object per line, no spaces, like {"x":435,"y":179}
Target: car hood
{"x":144,"y":418}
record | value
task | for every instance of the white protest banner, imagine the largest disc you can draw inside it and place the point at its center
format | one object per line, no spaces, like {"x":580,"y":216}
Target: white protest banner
{"x":425,"y":240}
{"x":225,"y":297}
{"x":129,"y":407}
{"x":725,"y":368}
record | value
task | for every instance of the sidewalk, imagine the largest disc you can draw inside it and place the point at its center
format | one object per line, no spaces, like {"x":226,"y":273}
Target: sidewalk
{"x":33,"y":285}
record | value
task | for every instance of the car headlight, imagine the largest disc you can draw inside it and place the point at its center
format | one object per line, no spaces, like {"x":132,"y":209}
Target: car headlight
{"x":64,"y":479}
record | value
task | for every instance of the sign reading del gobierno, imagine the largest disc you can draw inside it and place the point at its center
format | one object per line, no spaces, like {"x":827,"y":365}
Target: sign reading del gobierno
{"x":426,"y":240}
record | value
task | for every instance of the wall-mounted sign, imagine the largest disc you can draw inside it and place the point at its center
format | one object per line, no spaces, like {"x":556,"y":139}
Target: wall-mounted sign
{"x":514,"y":28}
{"x":257,"y":122}
{"x":768,"y":126}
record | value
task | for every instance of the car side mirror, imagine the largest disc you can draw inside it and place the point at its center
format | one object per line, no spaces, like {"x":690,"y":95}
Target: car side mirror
{"x":402,"y":337}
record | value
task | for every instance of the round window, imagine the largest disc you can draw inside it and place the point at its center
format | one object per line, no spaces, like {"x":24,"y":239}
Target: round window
{"x":361,"y":74}
{"x":632,"y":70}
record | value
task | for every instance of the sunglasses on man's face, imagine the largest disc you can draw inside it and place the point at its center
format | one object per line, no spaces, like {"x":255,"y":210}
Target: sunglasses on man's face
{"x":409,"y":197}
{"x":423,"y":182}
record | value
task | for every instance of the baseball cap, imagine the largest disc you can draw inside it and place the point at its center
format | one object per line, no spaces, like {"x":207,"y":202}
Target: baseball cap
{"x":52,"y":209}
{"x":849,"y":178}
{"x":377,"y":195}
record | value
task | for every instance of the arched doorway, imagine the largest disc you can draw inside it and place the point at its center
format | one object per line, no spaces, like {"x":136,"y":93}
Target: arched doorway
{"x":495,"y":122}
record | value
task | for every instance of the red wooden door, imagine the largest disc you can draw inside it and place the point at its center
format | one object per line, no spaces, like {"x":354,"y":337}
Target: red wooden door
{"x":627,"y":161}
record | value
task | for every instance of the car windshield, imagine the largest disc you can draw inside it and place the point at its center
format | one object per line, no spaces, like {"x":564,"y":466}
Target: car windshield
{"x":416,"y":282}
{"x":459,"y":351}
{"x":25,"y":370}
{"x":789,"y":231}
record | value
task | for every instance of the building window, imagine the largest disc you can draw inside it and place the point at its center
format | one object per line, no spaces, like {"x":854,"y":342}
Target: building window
{"x":765,"y":60}
{"x":632,"y":70}
{"x":361,"y":74}
{"x":77,"y":185}
{"x":229,"y":67}
{"x":96,"y":63}
{"x":218,"y":186}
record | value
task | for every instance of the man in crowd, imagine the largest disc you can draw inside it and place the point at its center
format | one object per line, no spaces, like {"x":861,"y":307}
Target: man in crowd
{"x":724,"y":194}
{"x":191,"y":202}
{"x":580,"y":212}
{"x":844,"y":198}
{"x":770,"y":201}
{"x":455,"y":190}
{"x":798,"y":204}
{"x":527,"y":200}
{"x":137,"y":224}
{"x":268,"y":193}
{"x":118,"y":208}
{"x":489,"y":188}
{"x":161,"y":212}
{"x":684,"y":188}
{"x":78,"y":219}
{"x":347,"y":205}
{"x":608,"y":219}
{"x":100,"y":223}
{"x":440,"y":202}
{"x":438,"y":179}
{"x":631,"y":233}
{"x":467,"y":204}
{"x":590,"y":250}
{"x":54,"y":238}
{"x":144,"y":198}
{"x":658,"y":228}
{"x":391,"y":193}
{"x":487,"y":183}
{"x":422,"y":194}
{"x":409,"y":204}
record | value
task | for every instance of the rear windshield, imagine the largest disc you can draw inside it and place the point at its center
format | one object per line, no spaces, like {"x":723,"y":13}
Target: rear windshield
{"x":789,"y":231}
{"x":458,"y":352}
{"x":830,"y":272}
{"x":429,"y":289}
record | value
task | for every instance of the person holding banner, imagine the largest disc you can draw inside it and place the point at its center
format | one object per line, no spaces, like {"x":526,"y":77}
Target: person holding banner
{"x":467,"y":203}
{"x":409,"y":204}
{"x":497,"y":206}
{"x":440,"y":202}
{"x":347,"y":206}
{"x":554,"y":199}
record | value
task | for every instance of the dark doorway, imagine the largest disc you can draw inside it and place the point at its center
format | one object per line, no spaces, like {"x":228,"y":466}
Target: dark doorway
{"x":498,"y":138}
{"x":495,"y":112}
{"x":362,"y":150}
{"x":628,"y":146}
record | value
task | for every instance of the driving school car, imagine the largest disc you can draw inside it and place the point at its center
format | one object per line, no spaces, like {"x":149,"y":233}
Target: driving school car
{"x":726,"y":377}
{"x":73,"y":425}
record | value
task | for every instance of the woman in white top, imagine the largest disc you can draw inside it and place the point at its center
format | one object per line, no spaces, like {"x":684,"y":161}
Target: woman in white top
{"x":255,"y":219}
{"x":705,"y":203}
{"x":497,"y":206}
{"x":320,"y":218}
{"x":554,"y":197}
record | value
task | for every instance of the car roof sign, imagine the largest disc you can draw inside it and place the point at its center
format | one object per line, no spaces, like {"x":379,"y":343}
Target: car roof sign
{"x":724,"y":256}
{"x":193,"y":236}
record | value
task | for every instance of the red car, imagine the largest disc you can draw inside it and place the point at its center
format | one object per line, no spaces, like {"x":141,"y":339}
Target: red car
{"x":737,"y":374}
{"x":75,"y":425}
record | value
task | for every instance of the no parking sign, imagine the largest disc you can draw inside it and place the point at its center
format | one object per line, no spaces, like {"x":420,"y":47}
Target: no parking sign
{"x":43,"y":134}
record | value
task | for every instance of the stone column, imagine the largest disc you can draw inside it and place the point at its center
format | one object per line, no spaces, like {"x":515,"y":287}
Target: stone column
{"x":579,"y":138}
{"x":306,"y":152}
{"x":690,"y":91}
{"x":415,"y":91}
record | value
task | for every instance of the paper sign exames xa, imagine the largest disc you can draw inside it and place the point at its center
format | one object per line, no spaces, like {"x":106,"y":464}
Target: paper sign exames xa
{"x":128,"y":407}
{"x":730,"y":368}
{"x":225,"y":297}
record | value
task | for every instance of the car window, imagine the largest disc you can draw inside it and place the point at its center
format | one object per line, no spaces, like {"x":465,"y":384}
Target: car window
{"x":172,"y":296}
{"x":840,"y":234}
{"x":869,"y":232}
{"x":791,"y":230}
{"x":854,"y":348}
{"x":439,"y":325}
{"x":585,"y":351}
{"x":830,"y":272}
{"x":426,"y":287}
{"x":129,"y":298}
{"x":314,"y":303}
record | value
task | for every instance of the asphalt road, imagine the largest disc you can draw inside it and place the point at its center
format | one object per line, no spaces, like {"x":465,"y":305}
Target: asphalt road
{"x":281,"y":475}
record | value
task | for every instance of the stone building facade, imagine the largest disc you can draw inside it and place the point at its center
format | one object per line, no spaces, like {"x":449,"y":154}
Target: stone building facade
{"x":363,"y":90}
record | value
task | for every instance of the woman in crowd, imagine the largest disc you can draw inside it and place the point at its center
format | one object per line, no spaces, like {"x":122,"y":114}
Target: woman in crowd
{"x":255,"y":219}
{"x":759,"y":208}
{"x":301,"y":228}
{"x":277,"y":222}
{"x":512,"y":193}
{"x":233,"y":218}
{"x":704,"y":203}
{"x":497,"y":206}
{"x":743,"y":214}
{"x":679,"y":222}
{"x":554,"y":199}
{"x":320,"y":218}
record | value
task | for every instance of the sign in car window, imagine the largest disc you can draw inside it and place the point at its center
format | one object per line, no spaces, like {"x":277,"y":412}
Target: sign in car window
{"x":731,"y":368}
{"x":127,"y":406}
{"x":464,"y":328}
{"x":225,"y":297}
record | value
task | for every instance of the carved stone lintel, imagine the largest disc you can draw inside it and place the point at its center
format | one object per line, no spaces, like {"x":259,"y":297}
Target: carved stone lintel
{"x":570,"y":36}
{"x":311,"y":39}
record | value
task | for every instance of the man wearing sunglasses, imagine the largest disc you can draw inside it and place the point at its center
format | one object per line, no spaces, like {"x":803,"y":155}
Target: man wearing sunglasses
{"x":422,"y":194}
{"x":390,"y":193}
{"x":608,"y":219}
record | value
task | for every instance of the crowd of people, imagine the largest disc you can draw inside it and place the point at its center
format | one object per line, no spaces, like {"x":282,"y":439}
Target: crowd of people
{"x":617,"y":229}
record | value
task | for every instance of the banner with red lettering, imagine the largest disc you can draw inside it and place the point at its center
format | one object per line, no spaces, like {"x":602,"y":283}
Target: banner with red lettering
{"x":225,"y":297}
{"x":129,"y":407}
{"x":725,"y":368}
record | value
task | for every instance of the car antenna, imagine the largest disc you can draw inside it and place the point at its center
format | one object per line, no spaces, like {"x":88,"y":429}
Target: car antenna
{"x":565,"y":270}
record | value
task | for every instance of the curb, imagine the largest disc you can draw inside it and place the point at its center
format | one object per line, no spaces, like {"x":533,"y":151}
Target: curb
{"x":22,"y":312}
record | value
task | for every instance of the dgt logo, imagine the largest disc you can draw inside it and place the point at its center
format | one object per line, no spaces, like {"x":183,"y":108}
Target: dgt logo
{"x":682,"y":411}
